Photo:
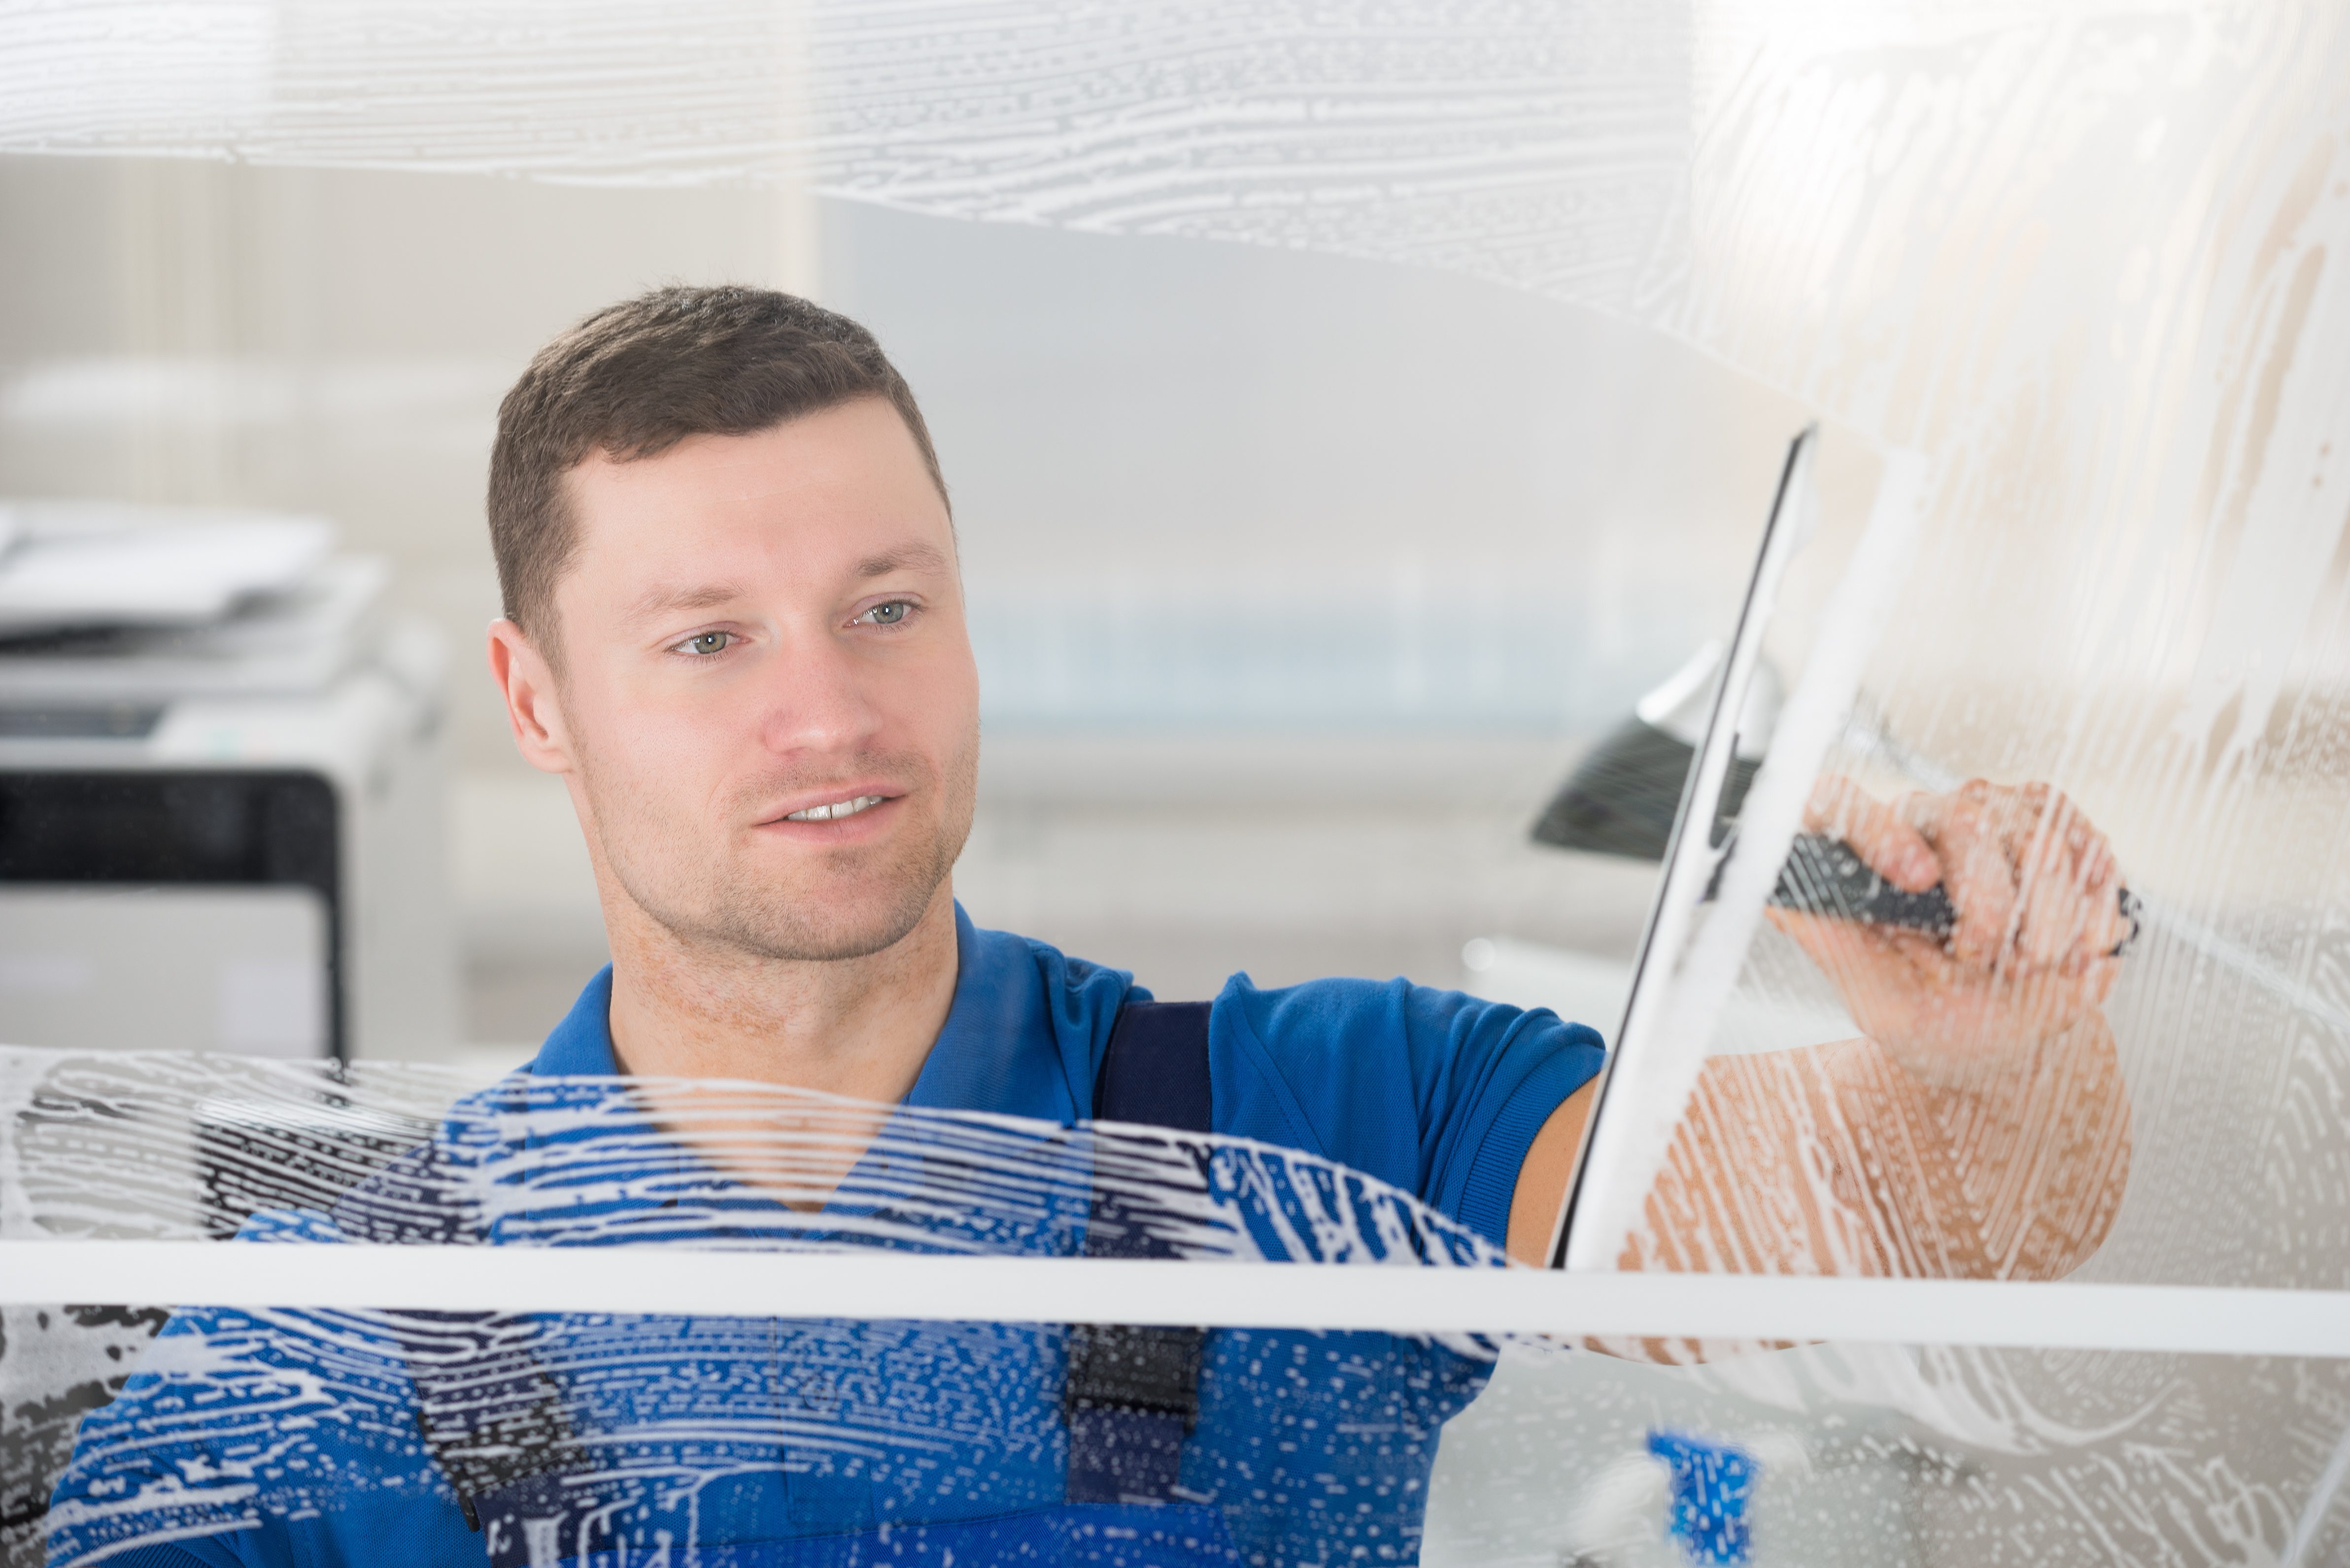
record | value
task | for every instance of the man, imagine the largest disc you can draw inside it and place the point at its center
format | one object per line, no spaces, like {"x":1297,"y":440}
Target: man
{"x":735,"y":628}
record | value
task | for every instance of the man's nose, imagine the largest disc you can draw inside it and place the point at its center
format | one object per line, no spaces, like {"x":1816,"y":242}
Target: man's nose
{"x":819,"y":698}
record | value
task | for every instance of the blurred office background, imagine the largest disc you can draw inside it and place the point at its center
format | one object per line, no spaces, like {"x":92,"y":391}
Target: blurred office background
{"x":1297,"y":580}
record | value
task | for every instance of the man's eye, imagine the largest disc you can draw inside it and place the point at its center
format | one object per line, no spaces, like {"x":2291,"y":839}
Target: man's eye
{"x":708,"y":643}
{"x":889,"y":614}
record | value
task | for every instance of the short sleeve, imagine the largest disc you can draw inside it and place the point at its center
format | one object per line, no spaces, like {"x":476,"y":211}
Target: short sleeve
{"x":1433,"y":1091}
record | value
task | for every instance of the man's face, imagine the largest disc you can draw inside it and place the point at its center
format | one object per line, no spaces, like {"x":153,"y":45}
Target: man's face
{"x":767,"y":689}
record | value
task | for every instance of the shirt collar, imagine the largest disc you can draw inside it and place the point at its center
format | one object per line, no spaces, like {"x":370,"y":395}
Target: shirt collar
{"x":995,"y":1051}
{"x":581,"y":1046}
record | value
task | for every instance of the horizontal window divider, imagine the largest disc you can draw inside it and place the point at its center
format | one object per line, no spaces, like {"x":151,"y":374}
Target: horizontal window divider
{"x":1408,"y":1298}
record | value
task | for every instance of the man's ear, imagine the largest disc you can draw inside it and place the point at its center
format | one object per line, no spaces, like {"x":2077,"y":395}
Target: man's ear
{"x":533,"y":707}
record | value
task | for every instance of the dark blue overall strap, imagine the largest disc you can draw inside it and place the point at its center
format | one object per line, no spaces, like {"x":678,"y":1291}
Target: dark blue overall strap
{"x":1133,"y":1391}
{"x":1155,"y":1071}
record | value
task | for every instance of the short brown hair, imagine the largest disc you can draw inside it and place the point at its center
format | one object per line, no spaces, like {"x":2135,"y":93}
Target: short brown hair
{"x":637,"y":378}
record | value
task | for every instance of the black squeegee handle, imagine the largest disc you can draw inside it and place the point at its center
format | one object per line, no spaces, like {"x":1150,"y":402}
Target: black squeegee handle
{"x":1826,"y":876}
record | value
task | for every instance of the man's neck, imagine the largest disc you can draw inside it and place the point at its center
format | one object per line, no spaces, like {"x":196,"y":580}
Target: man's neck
{"x":861,"y":1027}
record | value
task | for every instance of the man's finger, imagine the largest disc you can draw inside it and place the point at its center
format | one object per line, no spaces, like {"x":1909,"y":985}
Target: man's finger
{"x":1892,"y":848}
{"x":1969,"y":832}
{"x":2100,"y":873}
{"x":2043,"y":835}
{"x":2053,"y":914}
{"x":2071,"y":905}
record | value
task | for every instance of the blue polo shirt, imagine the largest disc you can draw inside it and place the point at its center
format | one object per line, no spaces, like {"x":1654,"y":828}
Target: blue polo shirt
{"x":1430,"y":1091}
{"x":1309,"y":1447}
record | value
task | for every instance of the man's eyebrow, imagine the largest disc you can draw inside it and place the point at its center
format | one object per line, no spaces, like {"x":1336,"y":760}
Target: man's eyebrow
{"x":660,"y":601}
{"x":908,"y":558}
{"x":663,"y":600}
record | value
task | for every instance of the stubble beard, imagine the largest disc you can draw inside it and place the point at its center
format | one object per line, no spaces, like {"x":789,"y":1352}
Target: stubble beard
{"x":712,"y":900}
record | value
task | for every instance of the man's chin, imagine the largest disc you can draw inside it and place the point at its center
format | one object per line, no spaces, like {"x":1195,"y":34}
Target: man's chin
{"x":764,"y":902}
{"x":819,"y":929}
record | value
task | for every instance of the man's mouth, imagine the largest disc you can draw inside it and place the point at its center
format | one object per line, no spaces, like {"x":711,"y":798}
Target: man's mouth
{"x":837,"y":809}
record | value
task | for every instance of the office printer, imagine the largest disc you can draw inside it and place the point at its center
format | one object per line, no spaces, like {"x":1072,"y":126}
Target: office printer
{"x":222,"y":790}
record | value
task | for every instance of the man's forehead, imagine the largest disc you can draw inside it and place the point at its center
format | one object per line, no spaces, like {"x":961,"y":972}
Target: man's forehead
{"x":765,"y":472}
{"x":848,"y":481}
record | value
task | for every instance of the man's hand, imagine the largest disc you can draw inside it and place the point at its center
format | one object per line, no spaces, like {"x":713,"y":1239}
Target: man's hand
{"x":2038,"y":896}
{"x":1979,"y":1130}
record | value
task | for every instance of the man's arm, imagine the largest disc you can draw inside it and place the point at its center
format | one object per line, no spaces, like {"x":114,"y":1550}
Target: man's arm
{"x":1980,"y":1129}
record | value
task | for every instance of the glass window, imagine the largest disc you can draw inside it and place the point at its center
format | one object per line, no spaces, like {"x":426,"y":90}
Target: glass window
{"x":1360,"y":422}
